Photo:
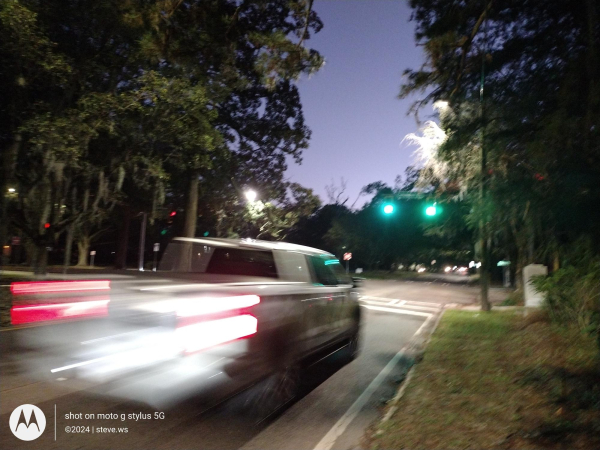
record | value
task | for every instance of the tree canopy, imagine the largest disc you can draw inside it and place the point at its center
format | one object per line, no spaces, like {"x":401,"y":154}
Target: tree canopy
{"x":519,"y":81}
{"x":137,"y":104}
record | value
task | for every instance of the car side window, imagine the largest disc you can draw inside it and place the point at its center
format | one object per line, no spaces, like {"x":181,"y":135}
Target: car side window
{"x":292,"y":266}
{"x":185,"y":257}
{"x":234,"y":261}
{"x":323,"y":273}
{"x":338,"y":271}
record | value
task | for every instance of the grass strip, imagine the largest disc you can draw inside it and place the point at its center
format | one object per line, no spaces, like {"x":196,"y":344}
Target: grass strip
{"x":499,"y":380}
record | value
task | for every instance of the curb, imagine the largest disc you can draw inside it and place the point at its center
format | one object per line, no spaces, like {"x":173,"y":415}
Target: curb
{"x":417,"y":350}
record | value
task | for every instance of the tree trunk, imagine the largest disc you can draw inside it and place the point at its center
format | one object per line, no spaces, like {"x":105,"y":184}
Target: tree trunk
{"x":522,"y":261}
{"x":556,"y":261}
{"x":8,"y":166}
{"x":530,"y":244}
{"x":484,"y":273}
{"x":121,"y":257}
{"x":191,"y":212}
{"x":68,"y":248}
{"x":29,"y":251}
{"x":220,"y":217}
{"x":40,"y":261}
{"x":83,"y":246}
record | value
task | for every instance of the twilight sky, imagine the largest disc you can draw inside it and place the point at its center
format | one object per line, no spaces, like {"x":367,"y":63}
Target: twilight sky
{"x":351,"y":105}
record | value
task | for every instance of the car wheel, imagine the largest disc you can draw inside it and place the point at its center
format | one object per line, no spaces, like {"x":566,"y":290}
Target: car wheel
{"x":276,"y":391}
{"x":353,"y":346}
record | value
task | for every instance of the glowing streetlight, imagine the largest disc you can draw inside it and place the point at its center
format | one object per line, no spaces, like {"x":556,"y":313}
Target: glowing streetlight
{"x":12,"y":190}
{"x":250,"y":195}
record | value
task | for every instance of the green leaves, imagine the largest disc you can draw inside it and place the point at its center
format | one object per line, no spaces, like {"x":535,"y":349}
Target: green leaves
{"x":125,"y":102}
{"x":538,"y":118}
{"x":32,"y":53}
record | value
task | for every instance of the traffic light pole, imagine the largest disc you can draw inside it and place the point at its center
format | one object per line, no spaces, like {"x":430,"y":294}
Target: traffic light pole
{"x":484,"y":273}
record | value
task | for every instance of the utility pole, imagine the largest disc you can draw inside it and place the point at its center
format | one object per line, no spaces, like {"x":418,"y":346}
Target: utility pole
{"x":484,"y":274}
{"x":142,"y":242}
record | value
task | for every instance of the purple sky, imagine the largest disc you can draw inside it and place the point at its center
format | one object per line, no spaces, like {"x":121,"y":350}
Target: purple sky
{"x":351,"y":105}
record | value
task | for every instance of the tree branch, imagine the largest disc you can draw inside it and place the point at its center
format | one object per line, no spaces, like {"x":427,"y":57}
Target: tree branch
{"x":305,"y":31}
{"x":467,"y":45}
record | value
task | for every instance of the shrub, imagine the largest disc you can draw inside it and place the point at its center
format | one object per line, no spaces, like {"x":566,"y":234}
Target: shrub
{"x":515,"y":298}
{"x":573,"y":291}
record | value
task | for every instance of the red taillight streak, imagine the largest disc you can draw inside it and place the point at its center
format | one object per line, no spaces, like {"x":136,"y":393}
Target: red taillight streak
{"x":203,"y":335}
{"x":50,"y":287}
{"x":98,"y":307}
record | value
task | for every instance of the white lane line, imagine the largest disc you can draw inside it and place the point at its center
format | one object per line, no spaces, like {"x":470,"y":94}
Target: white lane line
{"x":398,"y":311}
{"x":405,"y":305}
{"x":393,"y":302}
{"x":437,"y":305}
{"x":422,"y":308}
{"x":387,"y":300}
{"x":338,"y":429}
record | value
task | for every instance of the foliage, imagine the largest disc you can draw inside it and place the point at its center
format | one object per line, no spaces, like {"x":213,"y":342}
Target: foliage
{"x":407,"y":236}
{"x":136,"y":103}
{"x":515,"y":298}
{"x":272,"y":221}
{"x":312,"y":230}
{"x":573,"y":291}
{"x":519,"y":82}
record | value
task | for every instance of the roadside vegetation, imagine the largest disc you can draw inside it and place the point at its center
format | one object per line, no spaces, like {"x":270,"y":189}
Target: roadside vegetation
{"x":168,"y":111}
{"x":500,"y":380}
{"x":515,"y":298}
{"x":573,"y":291}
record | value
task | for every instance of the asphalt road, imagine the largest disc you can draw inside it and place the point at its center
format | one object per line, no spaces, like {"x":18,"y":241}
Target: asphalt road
{"x":338,"y":402}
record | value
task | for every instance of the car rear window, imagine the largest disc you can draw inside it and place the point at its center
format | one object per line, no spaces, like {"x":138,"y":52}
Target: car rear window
{"x":252,"y":263}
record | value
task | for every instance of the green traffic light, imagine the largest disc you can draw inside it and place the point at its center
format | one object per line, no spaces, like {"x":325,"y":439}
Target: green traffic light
{"x":388,"y":209}
{"x":431,"y":210}
{"x":163,"y":232}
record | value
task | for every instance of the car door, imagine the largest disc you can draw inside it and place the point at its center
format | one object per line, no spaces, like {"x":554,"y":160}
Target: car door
{"x":327,"y":297}
{"x":342,"y":303}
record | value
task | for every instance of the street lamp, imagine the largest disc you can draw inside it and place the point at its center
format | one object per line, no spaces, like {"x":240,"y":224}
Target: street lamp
{"x":250,"y":195}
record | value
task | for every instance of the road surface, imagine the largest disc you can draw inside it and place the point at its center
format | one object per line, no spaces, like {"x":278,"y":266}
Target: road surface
{"x":338,"y":401}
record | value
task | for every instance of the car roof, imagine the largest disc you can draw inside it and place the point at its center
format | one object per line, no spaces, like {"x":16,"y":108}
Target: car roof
{"x":255,"y":244}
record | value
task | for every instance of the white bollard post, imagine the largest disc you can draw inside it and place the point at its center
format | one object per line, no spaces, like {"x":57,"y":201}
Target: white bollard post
{"x":533,"y":299}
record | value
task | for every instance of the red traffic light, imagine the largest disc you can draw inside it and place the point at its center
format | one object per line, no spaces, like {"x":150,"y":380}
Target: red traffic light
{"x":173,"y":213}
{"x":46,"y":225}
